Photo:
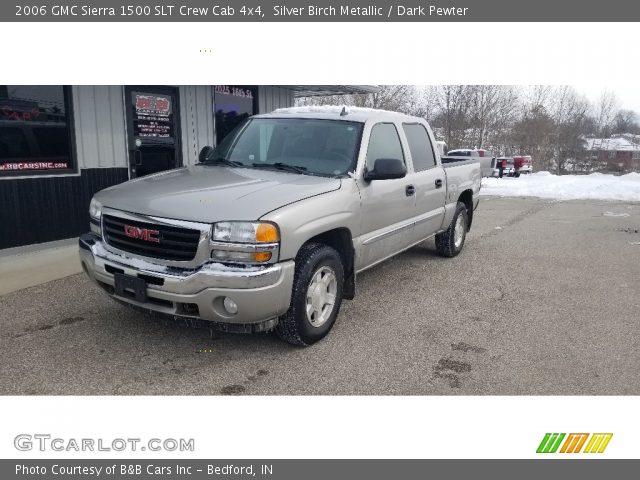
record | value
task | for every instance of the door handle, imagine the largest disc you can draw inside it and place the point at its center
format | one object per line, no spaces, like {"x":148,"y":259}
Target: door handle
{"x":138,"y":157}
{"x":439,"y":183}
{"x":410,"y":190}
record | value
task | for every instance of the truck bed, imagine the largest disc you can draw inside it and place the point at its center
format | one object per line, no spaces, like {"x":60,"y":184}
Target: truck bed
{"x":462,"y":174}
{"x":447,"y":161}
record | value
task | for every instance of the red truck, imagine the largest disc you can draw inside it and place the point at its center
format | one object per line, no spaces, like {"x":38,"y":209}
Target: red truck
{"x":513,"y":166}
{"x":522,"y":164}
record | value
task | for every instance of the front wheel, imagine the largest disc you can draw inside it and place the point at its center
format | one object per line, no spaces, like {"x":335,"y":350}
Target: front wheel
{"x":316,"y":295}
{"x":450,"y":242}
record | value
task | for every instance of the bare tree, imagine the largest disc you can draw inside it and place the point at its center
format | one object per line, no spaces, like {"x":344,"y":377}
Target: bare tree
{"x":493,"y":108}
{"x":532,"y":134}
{"x":626,"y":121}
{"x":570,"y":112}
{"x":605,"y":111}
{"x":426,"y":102}
{"x":547,"y":122}
{"x":536,"y":98}
{"x":454,"y":104}
{"x":484,"y":100}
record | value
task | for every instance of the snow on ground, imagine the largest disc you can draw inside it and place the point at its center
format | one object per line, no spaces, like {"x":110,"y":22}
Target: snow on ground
{"x":596,"y":186}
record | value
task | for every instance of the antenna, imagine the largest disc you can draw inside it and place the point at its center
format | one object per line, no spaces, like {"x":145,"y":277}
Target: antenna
{"x":344,"y":112}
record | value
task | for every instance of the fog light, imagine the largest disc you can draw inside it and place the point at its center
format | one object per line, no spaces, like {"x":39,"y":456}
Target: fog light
{"x":263,"y":256}
{"x":230,"y":306}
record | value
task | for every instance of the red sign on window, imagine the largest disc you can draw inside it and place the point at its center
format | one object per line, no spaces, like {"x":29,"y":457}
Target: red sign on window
{"x":153,"y":117}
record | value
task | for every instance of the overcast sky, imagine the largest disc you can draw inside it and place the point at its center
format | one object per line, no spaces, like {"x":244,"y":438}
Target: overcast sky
{"x":628,"y":95}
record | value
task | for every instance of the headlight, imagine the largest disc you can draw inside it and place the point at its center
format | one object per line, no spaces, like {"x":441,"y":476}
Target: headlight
{"x":245,"y":242}
{"x":95,"y":209}
{"x":95,"y":212}
{"x":245,"y":232}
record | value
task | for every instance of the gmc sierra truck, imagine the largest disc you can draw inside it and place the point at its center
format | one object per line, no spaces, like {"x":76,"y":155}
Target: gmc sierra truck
{"x":269,"y":230}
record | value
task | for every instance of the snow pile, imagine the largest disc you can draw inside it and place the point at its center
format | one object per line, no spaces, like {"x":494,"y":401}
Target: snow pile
{"x":596,"y":186}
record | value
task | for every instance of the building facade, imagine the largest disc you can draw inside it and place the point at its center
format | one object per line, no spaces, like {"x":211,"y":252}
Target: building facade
{"x":617,"y":154}
{"x":61,"y":144}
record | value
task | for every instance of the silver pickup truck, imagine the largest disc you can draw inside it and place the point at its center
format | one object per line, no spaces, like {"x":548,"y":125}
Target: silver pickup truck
{"x":269,"y":229}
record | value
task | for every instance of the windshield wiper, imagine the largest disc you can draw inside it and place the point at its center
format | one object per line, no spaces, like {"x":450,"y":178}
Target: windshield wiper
{"x":282,"y":166}
{"x":223,"y":161}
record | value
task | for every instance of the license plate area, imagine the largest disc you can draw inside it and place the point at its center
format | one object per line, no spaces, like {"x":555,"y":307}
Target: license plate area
{"x":128,"y":286}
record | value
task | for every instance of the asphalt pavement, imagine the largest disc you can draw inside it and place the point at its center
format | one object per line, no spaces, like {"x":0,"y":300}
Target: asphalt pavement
{"x":544,"y":299}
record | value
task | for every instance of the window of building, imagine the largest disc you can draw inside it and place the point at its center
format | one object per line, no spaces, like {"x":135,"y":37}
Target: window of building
{"x":384,"y":142}
{"x":636,"y":155}
{"x":419,"y":146}
{"x":36,"y":136}
{"x":232,"y":105}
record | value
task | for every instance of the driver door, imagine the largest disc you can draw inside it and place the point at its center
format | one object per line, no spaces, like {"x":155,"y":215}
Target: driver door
{"x":387,"y":205}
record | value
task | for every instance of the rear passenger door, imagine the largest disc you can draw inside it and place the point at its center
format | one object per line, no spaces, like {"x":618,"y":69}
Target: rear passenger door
{"x":387,"y":205}
{"x":429,"y":181}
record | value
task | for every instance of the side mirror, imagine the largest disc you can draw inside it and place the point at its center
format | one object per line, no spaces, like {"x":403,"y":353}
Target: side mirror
{"x":386,"y":169}
{"x":205,"y":153}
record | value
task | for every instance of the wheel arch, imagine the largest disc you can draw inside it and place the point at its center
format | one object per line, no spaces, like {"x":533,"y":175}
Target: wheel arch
{"x":466,"y":197}
{"x":341,"y":240}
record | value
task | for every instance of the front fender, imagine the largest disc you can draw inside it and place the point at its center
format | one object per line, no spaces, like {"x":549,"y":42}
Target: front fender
{"x":303,"y":220}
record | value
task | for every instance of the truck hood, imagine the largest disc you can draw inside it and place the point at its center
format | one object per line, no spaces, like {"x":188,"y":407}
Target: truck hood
{"x":206,"y":193}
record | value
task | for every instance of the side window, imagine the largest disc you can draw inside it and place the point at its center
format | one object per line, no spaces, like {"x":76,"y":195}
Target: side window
{"x":419,"y":146}
{"x":384,"y":142}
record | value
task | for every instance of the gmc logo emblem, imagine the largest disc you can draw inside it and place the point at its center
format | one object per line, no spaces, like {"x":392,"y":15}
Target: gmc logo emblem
{"x":142,"y":233}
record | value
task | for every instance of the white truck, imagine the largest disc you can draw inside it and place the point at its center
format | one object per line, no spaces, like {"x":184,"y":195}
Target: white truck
{"x":484,"y":157}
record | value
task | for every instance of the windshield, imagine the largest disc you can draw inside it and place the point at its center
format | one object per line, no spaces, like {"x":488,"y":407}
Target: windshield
{"x":308,"y":146}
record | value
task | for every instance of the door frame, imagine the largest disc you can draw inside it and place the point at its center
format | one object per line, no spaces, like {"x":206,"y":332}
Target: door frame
{"x":397,"y":235}
{"x":174,"y":91}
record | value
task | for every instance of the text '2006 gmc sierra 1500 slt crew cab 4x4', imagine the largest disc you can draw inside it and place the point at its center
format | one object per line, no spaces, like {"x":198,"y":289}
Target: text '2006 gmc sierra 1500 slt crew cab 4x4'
{"x":269,"y":229}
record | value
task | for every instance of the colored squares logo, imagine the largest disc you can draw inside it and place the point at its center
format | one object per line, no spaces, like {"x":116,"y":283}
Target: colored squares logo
{"x":574,"y":443}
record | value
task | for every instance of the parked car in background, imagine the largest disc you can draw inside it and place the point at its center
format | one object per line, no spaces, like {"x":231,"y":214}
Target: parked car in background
{"x":503,"y":167}
{"x":484,"y":157}
{"x":522,"y":164}
{"x":269,"y":230}
{"x":513,"y":166}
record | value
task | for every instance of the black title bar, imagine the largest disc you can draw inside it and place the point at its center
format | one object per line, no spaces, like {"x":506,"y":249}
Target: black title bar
{"x":321,"y":11}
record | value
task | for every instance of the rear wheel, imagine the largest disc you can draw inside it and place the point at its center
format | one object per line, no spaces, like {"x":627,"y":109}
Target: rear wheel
{"x":450,"y":242}
{"x":316,"y":295}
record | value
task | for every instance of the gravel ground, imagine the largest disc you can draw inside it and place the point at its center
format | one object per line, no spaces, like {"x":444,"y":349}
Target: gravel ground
{"x":544,"y":299}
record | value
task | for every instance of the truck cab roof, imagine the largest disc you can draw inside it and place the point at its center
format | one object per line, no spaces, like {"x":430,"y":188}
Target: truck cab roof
{"x":344,"y":113}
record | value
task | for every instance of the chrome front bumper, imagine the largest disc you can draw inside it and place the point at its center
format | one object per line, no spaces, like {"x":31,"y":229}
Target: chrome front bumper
{"x":261,"y":293}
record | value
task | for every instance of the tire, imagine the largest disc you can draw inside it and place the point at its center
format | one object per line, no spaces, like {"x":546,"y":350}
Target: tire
{"x":446,"y":244}
{"x":315,"y":263}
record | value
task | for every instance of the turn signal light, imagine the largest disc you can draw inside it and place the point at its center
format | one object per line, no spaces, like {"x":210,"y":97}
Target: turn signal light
{"x":267,"y":233}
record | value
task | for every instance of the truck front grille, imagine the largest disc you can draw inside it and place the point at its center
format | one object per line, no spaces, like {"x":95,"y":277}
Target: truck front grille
{"x":149,"y":239}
